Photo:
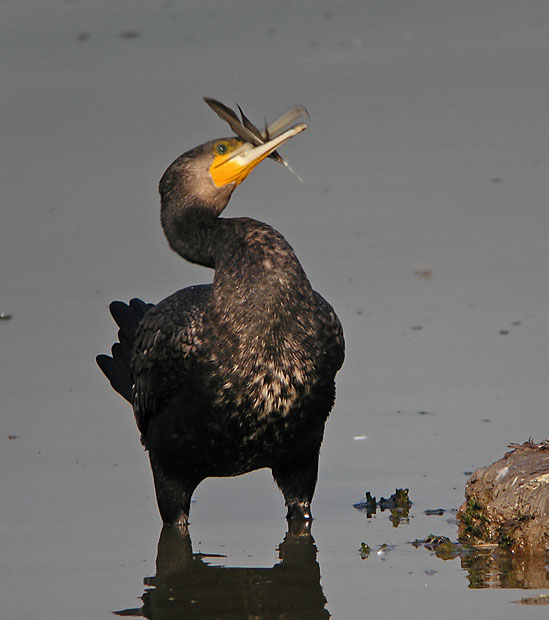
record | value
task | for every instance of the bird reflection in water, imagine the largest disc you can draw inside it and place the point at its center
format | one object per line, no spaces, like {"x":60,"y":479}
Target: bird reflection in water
{"x":187,"y":586}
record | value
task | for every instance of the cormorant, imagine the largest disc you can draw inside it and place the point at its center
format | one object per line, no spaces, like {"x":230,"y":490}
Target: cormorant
{"x":237,"y":375}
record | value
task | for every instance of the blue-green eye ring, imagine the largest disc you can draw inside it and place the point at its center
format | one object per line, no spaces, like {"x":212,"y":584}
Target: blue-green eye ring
{"x":221,"y":148}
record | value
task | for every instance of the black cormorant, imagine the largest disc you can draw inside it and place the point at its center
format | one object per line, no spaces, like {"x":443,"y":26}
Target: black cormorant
{"x":237,"y":375}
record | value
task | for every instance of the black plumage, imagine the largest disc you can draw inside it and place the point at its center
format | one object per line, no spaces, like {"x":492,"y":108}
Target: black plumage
{"x":236,"y":375}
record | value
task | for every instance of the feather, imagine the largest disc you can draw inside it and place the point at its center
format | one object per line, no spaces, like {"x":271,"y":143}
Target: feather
{"x":286,"y":119}
{"x":250,"y":126}
{"x":232,"y":119}
{"x":246,"y":130}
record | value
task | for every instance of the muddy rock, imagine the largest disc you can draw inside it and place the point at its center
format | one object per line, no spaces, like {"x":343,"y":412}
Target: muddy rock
{"x":507,"y":503}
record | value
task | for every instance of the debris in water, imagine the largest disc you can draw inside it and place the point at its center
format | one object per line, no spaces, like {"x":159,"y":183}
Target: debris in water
{"x":423,"y":273}
{"x":129,"y":34}
{"x":540,"y":599}
{"x":364,"y":550}
{"x":443,"y":547}
{"x":383,"y":550}
{"x":398,"y":504}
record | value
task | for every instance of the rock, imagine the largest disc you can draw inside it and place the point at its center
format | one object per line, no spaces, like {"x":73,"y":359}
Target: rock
{"x":507,"y":503}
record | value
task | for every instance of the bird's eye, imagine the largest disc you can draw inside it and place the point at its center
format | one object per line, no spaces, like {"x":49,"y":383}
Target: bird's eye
{"x":221,"y":148}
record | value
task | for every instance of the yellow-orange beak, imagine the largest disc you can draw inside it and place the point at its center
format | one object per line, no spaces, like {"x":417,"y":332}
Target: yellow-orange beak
{"x":235,"y":165}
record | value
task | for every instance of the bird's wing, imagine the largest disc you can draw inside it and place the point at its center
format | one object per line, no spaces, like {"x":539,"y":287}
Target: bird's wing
{"x":117,"y":366}
{"x":165,"y":346}
{"x":333,"y":333}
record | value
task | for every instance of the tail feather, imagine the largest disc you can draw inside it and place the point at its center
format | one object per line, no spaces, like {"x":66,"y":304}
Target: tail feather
{"x":117,"y":366}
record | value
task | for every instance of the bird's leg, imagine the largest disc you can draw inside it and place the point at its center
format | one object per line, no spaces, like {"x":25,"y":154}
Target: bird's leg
{"x":173,"y":495}
{"x":297,"y":481}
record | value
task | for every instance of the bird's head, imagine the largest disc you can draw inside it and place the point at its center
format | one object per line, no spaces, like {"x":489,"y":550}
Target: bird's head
{"x":208,"y":174}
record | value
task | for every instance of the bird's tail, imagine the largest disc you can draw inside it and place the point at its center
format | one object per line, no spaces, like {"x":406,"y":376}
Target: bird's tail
{"x":117,"y":366}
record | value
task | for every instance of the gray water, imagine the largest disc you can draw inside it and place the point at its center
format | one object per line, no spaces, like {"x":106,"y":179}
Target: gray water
{"x":423,"y":218}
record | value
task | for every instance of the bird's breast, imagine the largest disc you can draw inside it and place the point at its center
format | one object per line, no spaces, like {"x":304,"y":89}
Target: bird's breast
{"x":260,"y":383}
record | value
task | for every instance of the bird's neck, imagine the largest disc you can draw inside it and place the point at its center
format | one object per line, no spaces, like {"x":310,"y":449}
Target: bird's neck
{"x":256,"y":268}
{"x":190,"y":231}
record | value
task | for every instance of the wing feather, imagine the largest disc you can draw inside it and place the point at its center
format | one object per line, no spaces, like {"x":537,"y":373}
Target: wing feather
{"x":166,"y":343}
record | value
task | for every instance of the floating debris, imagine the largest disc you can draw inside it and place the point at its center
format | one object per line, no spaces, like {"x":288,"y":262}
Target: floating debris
{"x":540,"y":599}
{"x":129,"y":34}
{"x":442,"y":546}
{"x":438,"y":512}
{"x":5,"y":317}
{"x":369,"y":506}
{"x":398,"y":504}
{"x":365,"y":550}
{"x":424,"y":273}
{"x":383,"y":550}
{"x":490,"y":566}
